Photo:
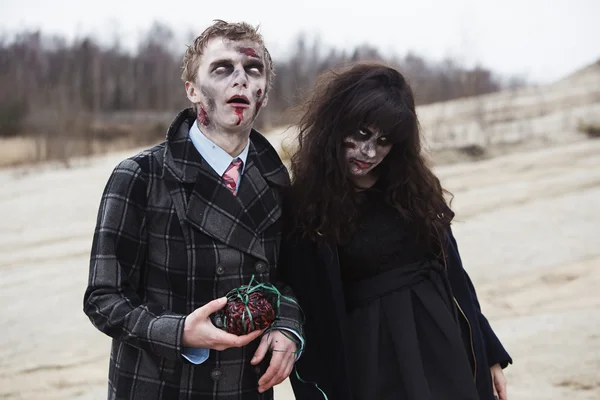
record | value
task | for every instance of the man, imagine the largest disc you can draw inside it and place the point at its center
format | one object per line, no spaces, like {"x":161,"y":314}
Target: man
{"x":182,"y":224}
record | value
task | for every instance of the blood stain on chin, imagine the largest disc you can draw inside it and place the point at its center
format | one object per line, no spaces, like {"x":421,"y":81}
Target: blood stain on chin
{"x":249,"y":51}
{"x":240,"y":114}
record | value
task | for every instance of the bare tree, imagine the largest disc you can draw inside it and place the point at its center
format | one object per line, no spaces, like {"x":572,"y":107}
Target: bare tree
{"x":40,"y":74}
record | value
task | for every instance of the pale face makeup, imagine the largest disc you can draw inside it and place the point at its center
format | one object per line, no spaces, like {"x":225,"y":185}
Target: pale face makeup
{"x":231,"y":84}
{"x":365,"y":150}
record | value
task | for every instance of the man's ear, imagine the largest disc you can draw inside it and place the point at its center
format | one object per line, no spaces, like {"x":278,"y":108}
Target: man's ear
{"x":193,"y":94}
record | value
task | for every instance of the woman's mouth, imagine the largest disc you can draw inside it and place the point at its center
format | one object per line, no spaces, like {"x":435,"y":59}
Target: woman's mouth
{"x":361,"y":164}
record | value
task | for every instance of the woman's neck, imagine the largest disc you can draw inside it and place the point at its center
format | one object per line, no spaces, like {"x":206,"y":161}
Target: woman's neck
{"x":364,"y":182}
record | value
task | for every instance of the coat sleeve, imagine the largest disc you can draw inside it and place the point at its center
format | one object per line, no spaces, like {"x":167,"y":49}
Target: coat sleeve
{"x":118,"y":254}
{"x":290,"y":317}
{"x":495,"y":352}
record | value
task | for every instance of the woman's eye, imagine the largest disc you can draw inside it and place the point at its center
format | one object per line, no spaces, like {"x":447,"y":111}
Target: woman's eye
{"x":384,"y":141}
{"x":362,"y":133}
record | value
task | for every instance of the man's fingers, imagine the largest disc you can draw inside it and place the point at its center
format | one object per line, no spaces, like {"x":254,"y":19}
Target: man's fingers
{"x":282,"y":373}
{"x":223,"y":340}
{"x":261,"y":351}
{"x":245,"y":339}
{"x":289,"y":367}
{"x":278,"y":371}
{"x":212,"y":306}
{"x":276,"y":360}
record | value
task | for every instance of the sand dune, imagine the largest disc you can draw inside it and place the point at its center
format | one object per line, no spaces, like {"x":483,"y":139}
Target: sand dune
{"x":527,"y":226}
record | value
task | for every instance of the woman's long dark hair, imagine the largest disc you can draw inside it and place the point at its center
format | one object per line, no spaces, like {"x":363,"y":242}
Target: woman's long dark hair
{"x":324,"y":198}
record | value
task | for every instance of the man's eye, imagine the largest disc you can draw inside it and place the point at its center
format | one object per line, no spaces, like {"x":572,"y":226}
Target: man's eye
{"x":254,"y":70}
{"x":221,"y":69}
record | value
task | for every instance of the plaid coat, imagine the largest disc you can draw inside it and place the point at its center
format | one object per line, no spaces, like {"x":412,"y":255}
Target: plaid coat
{"x":170,"y":237}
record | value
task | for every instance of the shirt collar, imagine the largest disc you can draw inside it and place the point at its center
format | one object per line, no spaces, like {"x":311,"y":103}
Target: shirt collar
{"x":215,"y":156}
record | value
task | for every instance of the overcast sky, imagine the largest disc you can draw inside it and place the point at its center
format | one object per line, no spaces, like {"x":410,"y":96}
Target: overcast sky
{"x":542,"y":40}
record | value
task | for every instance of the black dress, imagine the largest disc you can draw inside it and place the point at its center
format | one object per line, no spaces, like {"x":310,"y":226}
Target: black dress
{"x":405,"y":339}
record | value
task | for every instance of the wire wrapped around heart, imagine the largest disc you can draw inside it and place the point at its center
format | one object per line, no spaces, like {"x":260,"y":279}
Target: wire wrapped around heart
{"x":244,"y":315}
{"x":255,"y":307}
{"x":251,"y":307}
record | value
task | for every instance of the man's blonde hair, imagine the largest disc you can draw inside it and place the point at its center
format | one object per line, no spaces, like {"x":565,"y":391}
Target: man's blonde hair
{"x":233,"y":31}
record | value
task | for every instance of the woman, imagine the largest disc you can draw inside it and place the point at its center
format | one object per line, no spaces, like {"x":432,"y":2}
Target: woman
{"x":390,"y":312}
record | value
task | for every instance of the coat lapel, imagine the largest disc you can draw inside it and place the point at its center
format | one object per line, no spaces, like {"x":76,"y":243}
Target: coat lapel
{"x":258,"y":199}
{"x":213,"y":210}
{"x":237,"y":221}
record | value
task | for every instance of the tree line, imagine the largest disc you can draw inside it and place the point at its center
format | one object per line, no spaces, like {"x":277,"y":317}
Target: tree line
{"x":46,"y":78}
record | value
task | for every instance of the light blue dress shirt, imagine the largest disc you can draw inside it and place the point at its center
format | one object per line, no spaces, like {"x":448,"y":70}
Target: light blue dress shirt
{"x":219,"y":161}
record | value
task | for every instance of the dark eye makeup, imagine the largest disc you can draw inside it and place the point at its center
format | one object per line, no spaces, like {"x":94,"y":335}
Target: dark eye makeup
{"x":365,"y":134}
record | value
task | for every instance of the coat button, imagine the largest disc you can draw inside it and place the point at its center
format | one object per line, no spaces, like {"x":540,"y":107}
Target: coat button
{"x":260,"y":267}
{"x":216,"y":374}
{"x":220,"y":269}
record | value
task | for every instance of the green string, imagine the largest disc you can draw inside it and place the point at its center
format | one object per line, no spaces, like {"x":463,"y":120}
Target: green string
{"x":243,"y":293}
{"x":286,"y":334}
{"x":310,"y":383}
{"x":290,"y":337}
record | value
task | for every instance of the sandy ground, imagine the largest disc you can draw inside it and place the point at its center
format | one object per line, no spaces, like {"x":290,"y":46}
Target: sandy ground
{"x":527,"y":225}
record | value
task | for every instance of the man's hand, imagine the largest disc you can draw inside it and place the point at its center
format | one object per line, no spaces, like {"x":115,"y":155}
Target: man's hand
{"x":199,"y":331}
{"x":499,"y":382}
{"x":282,"y":360}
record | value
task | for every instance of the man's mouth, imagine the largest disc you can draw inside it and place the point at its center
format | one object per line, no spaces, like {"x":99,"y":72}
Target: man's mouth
{"x":361,"y":164}
{"x":238,"y":101}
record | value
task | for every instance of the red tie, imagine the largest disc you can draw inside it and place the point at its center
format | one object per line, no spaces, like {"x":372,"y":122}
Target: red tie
{"x":232,"y":175}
